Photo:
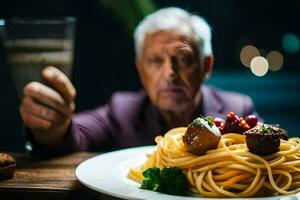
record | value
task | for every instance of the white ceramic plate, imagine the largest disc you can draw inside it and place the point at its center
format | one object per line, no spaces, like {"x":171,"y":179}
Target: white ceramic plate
{"x":107,"y":173}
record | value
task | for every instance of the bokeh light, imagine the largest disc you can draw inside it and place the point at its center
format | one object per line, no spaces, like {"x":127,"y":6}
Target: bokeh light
{"x":247,"y":53}
{"x":259,"y":66}
{"x":291,"y":43}
{"x":275,"y":60}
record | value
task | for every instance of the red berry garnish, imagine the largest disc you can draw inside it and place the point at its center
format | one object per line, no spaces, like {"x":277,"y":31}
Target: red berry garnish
{"x":222,"y":128}
{"x":231,"y":114}
{"x":233,"y":123}
{"x":251,"y":120}
{"x":244,"y":125}
{"x":231,"y":117}
{"x":218,"y":121}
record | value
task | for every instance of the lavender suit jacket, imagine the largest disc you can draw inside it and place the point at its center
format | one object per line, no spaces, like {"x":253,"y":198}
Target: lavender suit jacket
{"x":129,"y":119}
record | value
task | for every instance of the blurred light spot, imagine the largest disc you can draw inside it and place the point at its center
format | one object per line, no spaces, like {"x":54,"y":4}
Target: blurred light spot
{"x":2,"y":22}
{"x":247,"y":53}
{"x":275,"y":60}
{"x":259,"y":66}
{"x":28,"y":146}
{"x":290,"y":43}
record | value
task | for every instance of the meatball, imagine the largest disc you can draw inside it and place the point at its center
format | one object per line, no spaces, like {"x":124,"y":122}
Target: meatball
{"x":200,"y":136}
{"x":264,"y":139}
{"x":283,"y":134}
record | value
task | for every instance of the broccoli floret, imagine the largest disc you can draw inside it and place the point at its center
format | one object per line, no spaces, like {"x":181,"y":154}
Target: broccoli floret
{"x":170,"y":180}
{"x":151,"y":179}
{"x":173,"y":180}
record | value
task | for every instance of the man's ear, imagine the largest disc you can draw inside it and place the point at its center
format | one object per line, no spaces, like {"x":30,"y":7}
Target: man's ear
{"x":208,"y":66}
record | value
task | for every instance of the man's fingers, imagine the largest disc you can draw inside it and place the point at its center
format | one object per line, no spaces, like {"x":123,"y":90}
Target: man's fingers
{"x":33,"y":122}
{"x":42,"y":111}
{"x":47,"y":96}
{"x":59,"y":81}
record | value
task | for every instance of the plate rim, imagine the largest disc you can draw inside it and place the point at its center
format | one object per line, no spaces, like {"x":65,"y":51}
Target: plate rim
{"x":99,"y":154}
{"x":149,"y":147}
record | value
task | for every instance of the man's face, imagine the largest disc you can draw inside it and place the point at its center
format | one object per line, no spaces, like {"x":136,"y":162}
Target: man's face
{"x":170,"y":70}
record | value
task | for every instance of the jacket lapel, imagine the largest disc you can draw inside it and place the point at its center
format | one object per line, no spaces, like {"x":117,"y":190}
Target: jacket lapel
{"x":211,"y":102}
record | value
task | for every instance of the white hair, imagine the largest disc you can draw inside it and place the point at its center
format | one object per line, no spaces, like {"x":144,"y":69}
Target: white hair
{"x":178,"y":20}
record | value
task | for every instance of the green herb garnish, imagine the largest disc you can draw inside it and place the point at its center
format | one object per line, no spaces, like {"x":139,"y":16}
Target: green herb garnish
{"x":208,"y":119}
{"x":265,"y":128}
{"x":169,"y":180}
{"x":197,"y":121}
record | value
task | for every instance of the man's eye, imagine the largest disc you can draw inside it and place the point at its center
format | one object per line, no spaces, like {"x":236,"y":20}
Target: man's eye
{"x":155,"y":60}
{"x":185,"y":60}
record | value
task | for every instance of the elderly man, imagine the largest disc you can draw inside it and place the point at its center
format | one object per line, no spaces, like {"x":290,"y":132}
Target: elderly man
{"x":173,"y":58}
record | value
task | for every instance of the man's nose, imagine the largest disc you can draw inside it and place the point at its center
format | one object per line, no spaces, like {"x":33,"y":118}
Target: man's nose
{"x":170,"y":70}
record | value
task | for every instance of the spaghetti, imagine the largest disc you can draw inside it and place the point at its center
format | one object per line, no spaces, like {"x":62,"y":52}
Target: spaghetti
{"x":230,"y":170}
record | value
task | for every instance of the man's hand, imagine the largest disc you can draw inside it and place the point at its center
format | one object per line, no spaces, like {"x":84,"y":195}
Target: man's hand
{"x":47,"y":111}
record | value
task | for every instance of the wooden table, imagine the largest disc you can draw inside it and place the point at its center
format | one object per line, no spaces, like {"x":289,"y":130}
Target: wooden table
{"x":47,"y":179}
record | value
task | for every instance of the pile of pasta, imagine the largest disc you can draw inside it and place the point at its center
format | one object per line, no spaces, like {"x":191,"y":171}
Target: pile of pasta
{"x":230,"y":170}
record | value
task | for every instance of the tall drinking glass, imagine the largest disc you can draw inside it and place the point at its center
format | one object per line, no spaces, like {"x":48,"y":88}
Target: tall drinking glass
{"x":32,"y":44}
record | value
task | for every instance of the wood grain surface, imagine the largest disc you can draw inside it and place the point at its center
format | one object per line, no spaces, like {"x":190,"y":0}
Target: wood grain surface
{"x":52,"y":178}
